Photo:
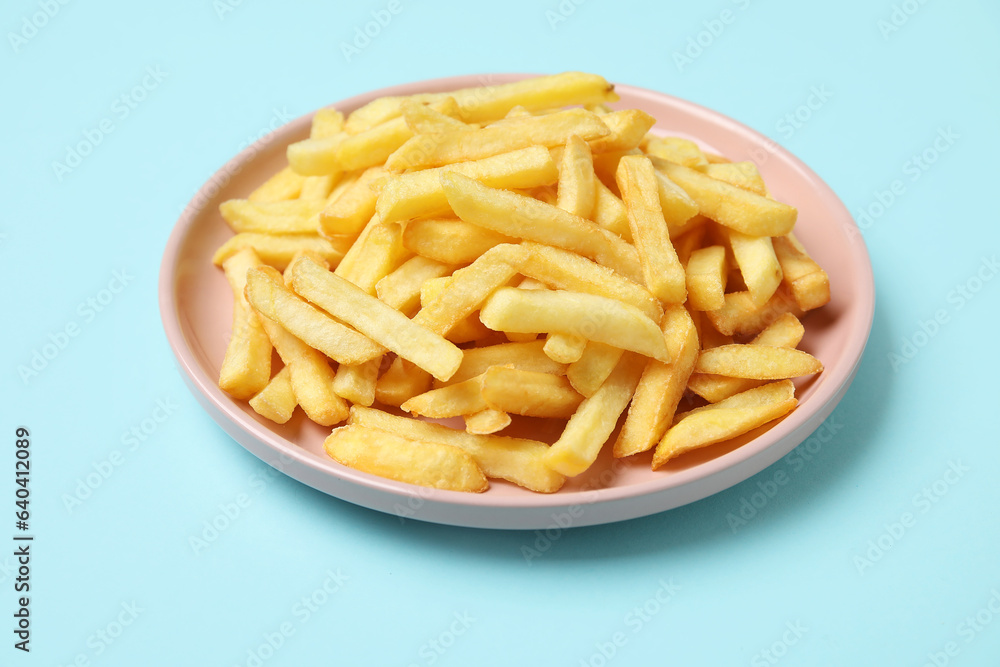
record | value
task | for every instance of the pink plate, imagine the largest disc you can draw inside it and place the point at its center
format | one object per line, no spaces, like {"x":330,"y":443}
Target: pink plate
{"x":196,"y":308}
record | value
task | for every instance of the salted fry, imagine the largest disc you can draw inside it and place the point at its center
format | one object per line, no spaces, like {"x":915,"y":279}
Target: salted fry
{"x":577,"y":183}
{"x":528,"y":393}
{"x":741,"y":174}
{"x":758,"y":265}
{"x":589,"y":372}
{"x":246,"y":368}
{"x":529,"y":356}
{"x":351,"y":211}
{"x":316,"y":157}
{"x":294,"y":216}
{"x":808,"y":282}
{"x":675,"y":149}
{"x":487,"y":421}
{"x":757,"y":362}
{"x":284,"y":185}
{"x":356,"y":382}
{"x":609,"y":211}
{"x":706,"y":278}
{"x":378,"y":252}
{"x":740,"y":316}
{"x":325,"y":123}
{"x":400,"y":382}
{"x":564,"y":348}
{"x":454,"y":400}
{"x":401,"y":288}
{"x":450,"y":241}
{"x":277,"y":251}
{"x":276,"y":401}
{"x":628,"y":128}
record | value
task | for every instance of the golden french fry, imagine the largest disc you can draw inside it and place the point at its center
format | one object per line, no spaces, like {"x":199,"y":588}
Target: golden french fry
{"x":422,"y":119}
{"x":662,"y":271}
{"x":516,"y":460}
{"x":348,"y":214}
{"x":687,"y":243}
{"x":401,"y":382}
{"x":420,"y":193}
{"x":757,"y":362}
{"x":680,"y":212}
{"x":487,"y":421}
{"x":786,"y":331}
{"x":450,"y":241}
{"x":325,"y":123}
{"x":609,"y":211}
{"x":376,"y":320}
{"x":675,"y":149}
{"x":716,"y":159}
{"x":276,"y":401}
{"x":661,"y":386}
{"x":377,"y":252}
{"x":277,"y":251}
{"x":419,"y":462}
{"x":268,"y":295}
{"x":740,"y":316}
{"x":628,"y":127}
{"x":284,"y":185}
{"x":808,"y":282}
{"x":741,"y":174}
{"x":564,"y":348}
{"x":372,"y":146}
{"x":454,"y":400}
{"x":591,"y":425}
{"x":528,"y":356}
{"x":316,"y":157}
{"x":356,"y":382}
{"x":577,"y":183}
{"x":294,"y":216}
{"x":708,"y":335}
{"x":729,"y":205}
{"x":706,"y":278}
{"x":592,"y":317}
{"x":758,"y":265}
{"x":726,"y":419}
{"x":435,"y":150}
{"x":246,"y":368}
{"x":528,"y":393}
{"x":589,"y":372}
{"x":529,"y":219}
{"x":318,"y":187}
{"x":401,"y":288}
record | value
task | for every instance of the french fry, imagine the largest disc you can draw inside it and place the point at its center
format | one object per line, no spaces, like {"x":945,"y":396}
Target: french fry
{"x":726,"y":419}
{"x":729,"y":205}
{"x":378,"y":252}
{"x":356,"y":382}
{"x":628,"y":127}
{"x":348,"y":214}
{"x":423,"y":151}
{"x":741,"y":174}
{"x":758,"y":265}
{"x":592,"y":317}
{"x":661,"y":386}
{"x":419,"y":462}
{"x":679,"y":210}
{"x":687,"y":243}
{"x":277,"y":251}
{"x":450,"y":241}
{"x":280,"y":217}
{"x":708,"y":335}
{"x":422,"y":119}
{"x":373,"y":146}
{"x":487,"y":421}
{"x":529,"y":356}
{"x":246,"y":368}
{"x":577,"y":183}
{"x":564,"y":348}
{"x":318,"y":187}
{"x":588,"y":373}
{"x":706,"y":278}
{"x":276,"y":401}
{"x":268,"y":295}
{"x":454,"y":400}
{"x":529,"y":219}
{"x":376,"y":320}
{"x":808,"y":282}
{"x":739,"y":316}
{"x":592,"y":423}
{"x":675,"y":149}
{"x":326,"y":123}
{"x":316,"y":157}
{"x":284,"y":185}
{"x":757,"y":362}
{"x":609,"y":211}
{"x":662,"y":271}
{"x":420,"y":193}
{"x":786,"y":331}
{"x":528,"y":393}
{"x":401,"y":288}
{"x":401,"y":382}
{"x":516,"y":460}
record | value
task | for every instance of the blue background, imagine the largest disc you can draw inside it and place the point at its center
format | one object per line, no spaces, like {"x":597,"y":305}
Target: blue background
{"x":732,"y":590}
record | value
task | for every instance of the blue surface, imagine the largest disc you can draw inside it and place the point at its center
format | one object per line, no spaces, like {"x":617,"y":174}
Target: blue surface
{"x":683,"y":587}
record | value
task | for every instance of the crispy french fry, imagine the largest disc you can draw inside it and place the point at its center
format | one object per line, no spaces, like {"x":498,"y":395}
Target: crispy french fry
{"x":450,"y":241}
{"x":675,"y":149}
{"x":808,"y":282}
{"x":284,"y":185}
{"x":326,"y":123}
{"x":316,"y":157}
{"x":726,"y":419}
{"x":277,"y":251}
{"x":739,"y":316}
{"x":592,"y":423}
{"x":687,"y":243}
{"x":356,"y":382}
{"x":741,"y":174}
{"x":373,"y":146}
{"x":528,"y":393}
{"x":758,"y":265}
{"x":378,"y":252}
{"x":516,"y":460}
{"x":706,"y":278}
{"x":419,"y":462}
{"x":401,"y":382}
{"x":318,"y":187}
{"x":246,"y":368}
{"x":628,"y":127}
{"x":679,"y":210}
{"x":592,"y":317}
{"x":376,"y":320}
{"x":661,"y":386}
{"x":276,"y":401}
{"x":609,"y":211}
{"x":589,"y":372}
{"x":529,"y":356}
{"x":662,"y":271}
{"x":577,"y":183}
{"x":757,"y":362}
{"x":294,"y":216}
{"x":422,"y":119}
{"x":487,"y":421}
{"x":401,"y":288}
{"x":348,"y":214}
{"x":564,"y":348}
{"x":454,"y":400}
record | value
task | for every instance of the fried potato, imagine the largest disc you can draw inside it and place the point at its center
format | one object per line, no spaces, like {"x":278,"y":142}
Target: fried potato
{"x":356,"y":382}
{"x":487,"y":421}
{"x":609,"y":211}
{"x":450,"y":241}
{"x":680,"y":151}
{"x":758,"y":265}
{"x":592,"y":317}
{"x":809,"y":284}
{"x":661,"y":270}
{"x":326,"y":123}
{"x":276,"y":401}
{"x":706,"y":278}
{"x":422,"y":119}
{"x":373,"y":146}
{"x":378,"y":252}
{"x":419,"y":462}
{"x":739,"y":316}
{"x":348,"y":214}
{"x":401,"y":288}
{"x":628,"y":127}
{"x":661,"y":386}
{"x":588,"y":373}
{"x":294,"y":216}
{"x":592,"y":423}
{"x":564,"y":348}
{"x":454,"y":400}
{"x":757,"y":362}
{"x":741,"y":174}
{"x":680,"y":212}
{"x":726,"y":419}
{"x":529,"y":356}
{"x":577,"y":182}
{"x":316,"y":157}
{"x":277,"y":251}
{"x":528,"y":393}
{"x":284,"y":185}
{"x":401,"y":382}
{"x":319,"y":187}
{"x":246,"y":368}
{"x":516,"y":460}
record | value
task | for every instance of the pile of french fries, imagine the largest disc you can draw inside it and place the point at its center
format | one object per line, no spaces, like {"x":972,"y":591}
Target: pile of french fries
{"x":509,"y":251}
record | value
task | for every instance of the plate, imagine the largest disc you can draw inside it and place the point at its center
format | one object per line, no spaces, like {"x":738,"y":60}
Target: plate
{"x":196,"y":309}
